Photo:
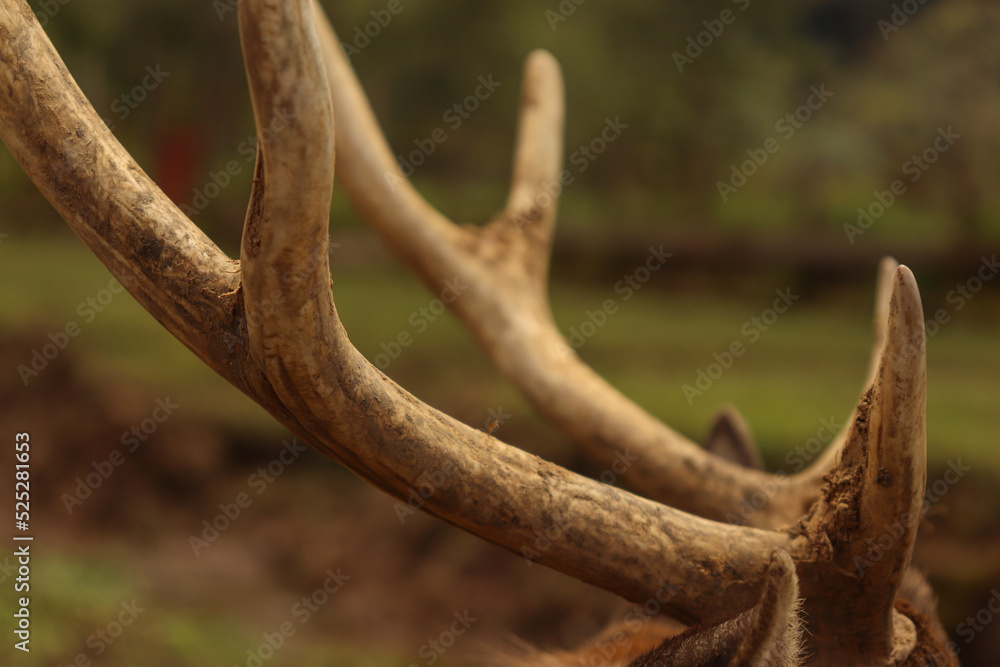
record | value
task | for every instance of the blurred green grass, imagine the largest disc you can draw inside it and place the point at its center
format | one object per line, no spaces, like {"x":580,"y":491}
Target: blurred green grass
{"x":807,"y":367}
{"x":77,"y":595}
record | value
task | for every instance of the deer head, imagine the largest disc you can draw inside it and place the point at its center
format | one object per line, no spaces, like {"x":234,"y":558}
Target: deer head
{"x":269,"y":325}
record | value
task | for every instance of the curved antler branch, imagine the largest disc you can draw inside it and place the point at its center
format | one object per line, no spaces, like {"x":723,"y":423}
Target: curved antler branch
{"x":509,"y":497}
{"x":285,"y":248}
{"x":293,"y":356}
{"x":387,"y":436}
{"x":171,"y":268}
{"x":866,"y":524}
{"x":594,"y":532}
{"x":536,"y":185}
{"x":506,"y":307}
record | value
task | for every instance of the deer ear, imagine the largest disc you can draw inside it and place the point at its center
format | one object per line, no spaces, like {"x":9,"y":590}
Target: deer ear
{"x":731,"y":439}
{"x":768,"y":633}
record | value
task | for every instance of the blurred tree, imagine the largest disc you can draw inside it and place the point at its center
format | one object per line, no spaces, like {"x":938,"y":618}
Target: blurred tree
{"x":698,"y":85}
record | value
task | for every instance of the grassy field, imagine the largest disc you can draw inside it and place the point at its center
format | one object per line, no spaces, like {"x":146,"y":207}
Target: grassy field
{"x":807,"y":366}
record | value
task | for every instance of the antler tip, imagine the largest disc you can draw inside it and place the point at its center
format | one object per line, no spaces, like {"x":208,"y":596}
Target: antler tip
{"x":543,"y":78}
{"x":906,"y":309}
{"x":542,"y":59}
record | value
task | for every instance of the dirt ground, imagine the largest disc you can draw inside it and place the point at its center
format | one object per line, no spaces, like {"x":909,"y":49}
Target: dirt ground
{"x":385,"y":582}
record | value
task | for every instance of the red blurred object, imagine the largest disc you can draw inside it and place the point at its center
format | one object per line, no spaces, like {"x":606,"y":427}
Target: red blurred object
{"x":177,"y":153}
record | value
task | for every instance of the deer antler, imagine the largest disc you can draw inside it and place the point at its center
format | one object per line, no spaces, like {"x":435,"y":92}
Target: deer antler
{"x":293,"y":357}
{"x":297,"y":361}
{"x":506,"y":309}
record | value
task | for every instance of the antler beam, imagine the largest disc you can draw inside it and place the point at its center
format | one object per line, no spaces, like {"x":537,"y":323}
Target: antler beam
{"x":297,"y":361}
{"x":292,"y":355}
{"x":507,"y":310}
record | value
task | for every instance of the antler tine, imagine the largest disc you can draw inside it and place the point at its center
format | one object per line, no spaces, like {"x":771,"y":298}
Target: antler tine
{"x":386,"y":435}
{"x":870,"y":512}
{"x":535,"y":183}
{"x":730,"y":437}
{"x":427,"y":241}
{"x":599,"y":534}
{"x":506,"y":309}
{"x":299,"y":364}
{"x":285,"y":248}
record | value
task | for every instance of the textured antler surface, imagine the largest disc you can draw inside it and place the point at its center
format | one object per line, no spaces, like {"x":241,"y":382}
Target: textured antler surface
{"x":292,"y":355}
{"x":506,"y":307}
{"x":295,"y":358}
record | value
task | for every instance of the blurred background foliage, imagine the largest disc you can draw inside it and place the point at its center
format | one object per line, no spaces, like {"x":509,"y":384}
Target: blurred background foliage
{"x":657,"y":183}
{"x":685,"y":129}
